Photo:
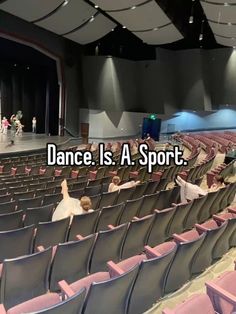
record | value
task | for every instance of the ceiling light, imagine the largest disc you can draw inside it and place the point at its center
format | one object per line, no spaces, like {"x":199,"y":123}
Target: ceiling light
{"x":92,"y":19}
{"x":96,"y":6}
{"x":226,"y":4}
{"x":133,"y":7}
{"x":112,"y":30}
{"x":15,"y":65}
{"x":201,"y":37}
{"x":65,"y":3}
{"x":123,"y":26}
{"x":155,"y":29}
{"x":191,"y":19}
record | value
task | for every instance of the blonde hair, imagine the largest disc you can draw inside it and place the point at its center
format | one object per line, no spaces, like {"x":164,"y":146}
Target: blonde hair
{"x":85,"y":203}
{"x":116,"y":180}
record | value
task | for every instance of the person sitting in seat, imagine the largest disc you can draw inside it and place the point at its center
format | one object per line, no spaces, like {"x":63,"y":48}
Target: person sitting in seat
{"x":114,"y":185}
{"x":189,"y":191}
{"x":68,"y":207}
{"x":86,"y":204}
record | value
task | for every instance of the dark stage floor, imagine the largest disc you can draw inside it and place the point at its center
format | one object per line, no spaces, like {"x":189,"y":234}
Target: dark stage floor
{"x":28,"y":142}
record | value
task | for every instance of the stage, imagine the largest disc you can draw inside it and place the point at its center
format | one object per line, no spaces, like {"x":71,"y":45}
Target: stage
{"x":32,"y":143}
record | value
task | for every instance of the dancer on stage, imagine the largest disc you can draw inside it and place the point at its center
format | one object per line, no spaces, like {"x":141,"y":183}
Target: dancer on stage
{"x":6,"y":124}
{"x":34,"y":123}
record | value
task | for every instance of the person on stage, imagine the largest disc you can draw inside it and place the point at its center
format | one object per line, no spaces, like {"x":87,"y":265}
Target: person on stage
{"x":19,"y":127}
{"x":5,"y":125}
{"x":34,"y":123}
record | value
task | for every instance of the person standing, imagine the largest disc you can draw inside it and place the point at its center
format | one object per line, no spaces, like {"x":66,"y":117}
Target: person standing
{"x":5,"y":124}
{"x":34,"y":123}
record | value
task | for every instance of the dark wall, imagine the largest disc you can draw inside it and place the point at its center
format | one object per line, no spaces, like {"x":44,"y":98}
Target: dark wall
{"x":67,"y":50}
{"x":195,"y":79}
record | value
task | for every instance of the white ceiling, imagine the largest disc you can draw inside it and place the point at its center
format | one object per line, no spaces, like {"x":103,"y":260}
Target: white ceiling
{"x":221,"y":16}
{"x":146,"y":16}
{"x":53,"y":16}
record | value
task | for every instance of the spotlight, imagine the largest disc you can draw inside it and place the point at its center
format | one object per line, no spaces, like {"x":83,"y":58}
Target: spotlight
{"x":155,"y":29}
{"x":200,"y":37}
{"x":65,"y":3}
{"x":15,"y":65}
{"x":28,"y":68}
{"x":124,"y":27}
{"x":191,"y":19}
{"x":133,"y":7}
{"x":96,"y":6}
{"x":92,"y":19}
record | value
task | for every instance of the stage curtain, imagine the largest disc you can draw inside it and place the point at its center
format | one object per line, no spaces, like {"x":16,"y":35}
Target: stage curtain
{"x":25,"y":89}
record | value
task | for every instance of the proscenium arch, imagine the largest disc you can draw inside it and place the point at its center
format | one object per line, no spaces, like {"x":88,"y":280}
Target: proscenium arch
{"x":60,"y":70}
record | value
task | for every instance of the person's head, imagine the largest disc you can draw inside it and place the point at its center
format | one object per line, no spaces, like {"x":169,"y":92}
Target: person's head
{"x":85,"y":203}
{"x":116,"y":180}
{"x":219,"y":180}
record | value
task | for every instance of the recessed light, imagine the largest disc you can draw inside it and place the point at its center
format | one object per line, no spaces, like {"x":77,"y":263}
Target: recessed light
{"x":191,"y":19}
{"x":201,"y":37}
{"x":124,"y":27}
{"x":92,"y":19}
{"x":133,"y":7}
{"x":155,"y":29}
{"x":96,"y":6}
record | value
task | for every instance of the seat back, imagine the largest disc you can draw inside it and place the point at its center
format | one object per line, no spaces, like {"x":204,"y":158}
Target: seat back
{"x":109,"y":216}
{"x":108,"y":199}
{"x":148,"y":205}
{"x":131,"y":209}
{"x":23,"y":204}
{"x":83,"y":225}
{"x":7,"y":208}
{"x":34,"y":216}
{"x":24,"y":278}
{"x":108,"y":246}
{"x":11,"y":221}
{"x":52,"y":199}
{"x":16,"y":243}
{"x":76,"y":265}
{"x":111,"y":295}
{"x":137,"y":236}
{"x":124,"y":195}
{"x":51,"y":233}
{"x":23,"y":195}
{"x":92,"y":190}
{"x":139,"y":190}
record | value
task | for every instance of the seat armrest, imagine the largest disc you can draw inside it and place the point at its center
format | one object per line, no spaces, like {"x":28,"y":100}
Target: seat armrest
{"x":40,"y":248}
{"x":178,"y":238}
{"x":232,"y":210}
{"x":79,"y":237}
{"x":150,"y":252}
{"x":201,"y":228}
{"x":65,"y":288}
{"x":111,"y":227}
{"x":167,"y":311}
{"x":223,"y":293}
{"x":218,"y":218}
{"x":114,"y":270}
{"x":2,"y":309}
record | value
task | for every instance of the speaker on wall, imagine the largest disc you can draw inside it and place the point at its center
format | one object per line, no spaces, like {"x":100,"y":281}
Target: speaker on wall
{"x":152,"y":127}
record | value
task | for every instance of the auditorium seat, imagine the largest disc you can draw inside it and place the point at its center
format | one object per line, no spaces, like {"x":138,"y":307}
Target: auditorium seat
{"x":95,"y":199}
{"x":194,"y":212}
{"x":51,"y":233}
{"x":108,"y":246}
{"x":5,"y":198}
{"x":111,"y":294}
{"x":222,"y":292}
{"x":213,"y":232}
{"x":79,"y":185}
{"x":139,"y":190}
{"x":205,"y":209}
{"x":109,"y":215}
{"x":151,"y":187}
{"x":33,"y":216}
{"x":92,"y":190}
{"x":108,"y":199}
{"x":52,"y":198}
{"x":42,"y":192}
{"x":71,"y":261}
{"x":36,"y":186}
{"x":11,"y":221}
{"x":148,"y":205}
{"x":181,"y":212}
{"x":137,"y":236}
{"x":3,"y":191}
{"x":8,"y":207}
{"x":194,"y":305}
{"x":125,"y":194}
{"x":77,"y":193}
{"x":131,"y":209}
{"x":160,"y":229}
{"x":23,"y":195}
{"x":186,"y":250}
{"x":24,"y":278}
{"x":150,"y":281}
{"x":23,"y":204}
{"x":162,"y":200}
{"x":16,"y":243}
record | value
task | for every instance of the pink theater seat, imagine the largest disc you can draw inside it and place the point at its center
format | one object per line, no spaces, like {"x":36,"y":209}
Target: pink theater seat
{"x":222,"y":292}
{"x":35,"y":304}
{"x":198,"y":303}
{"x":74,"y":174}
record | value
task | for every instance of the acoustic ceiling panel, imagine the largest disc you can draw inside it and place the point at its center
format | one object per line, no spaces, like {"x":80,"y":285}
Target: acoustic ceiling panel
{"x":145,"y":17}
{"x":92,"y":31}
{"x":30,"y":10}
{"x":68,"y":17}
{"x":161,"y":36}
{"x":221,"y":17}
{"x":108,"y":5}
{"x":220,"y":13}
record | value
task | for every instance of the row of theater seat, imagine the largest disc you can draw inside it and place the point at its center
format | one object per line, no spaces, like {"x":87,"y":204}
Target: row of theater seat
{"x":220,"y":298}
{"x":140,"y":279}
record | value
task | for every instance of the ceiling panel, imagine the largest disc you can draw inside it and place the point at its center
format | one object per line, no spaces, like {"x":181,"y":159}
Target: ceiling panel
{"x":92,"y":31}
{"x":224,"y":30}
{"x":107,"y":5}
{"x":226,"y":41}
{"x":161,"y":36}
{"x":144,"y":17}
{"x":219,"y":13}
{"x":75,"y":13}
{"x":30,"y":10}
